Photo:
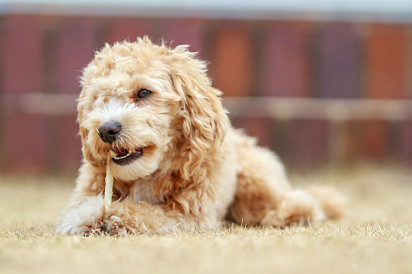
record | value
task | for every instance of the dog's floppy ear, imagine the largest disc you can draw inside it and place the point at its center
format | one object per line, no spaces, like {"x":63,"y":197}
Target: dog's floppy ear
{"x":81,"y":106}
{"x":204,"y":118}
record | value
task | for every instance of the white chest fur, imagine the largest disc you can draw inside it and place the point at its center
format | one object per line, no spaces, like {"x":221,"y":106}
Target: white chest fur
{"x":142,"y":192}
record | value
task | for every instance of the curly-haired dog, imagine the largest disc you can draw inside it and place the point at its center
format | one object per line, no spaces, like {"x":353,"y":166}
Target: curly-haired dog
{"x":176,"y":160}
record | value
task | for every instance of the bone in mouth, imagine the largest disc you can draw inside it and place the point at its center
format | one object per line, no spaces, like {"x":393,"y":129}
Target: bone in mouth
{"x":108,"y":189}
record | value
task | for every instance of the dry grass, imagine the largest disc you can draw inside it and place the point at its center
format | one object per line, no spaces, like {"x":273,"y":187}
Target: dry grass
{"x":375,"y":237}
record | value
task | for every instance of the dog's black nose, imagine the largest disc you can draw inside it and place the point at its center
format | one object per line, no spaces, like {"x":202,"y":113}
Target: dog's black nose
{"x":109,"y":131}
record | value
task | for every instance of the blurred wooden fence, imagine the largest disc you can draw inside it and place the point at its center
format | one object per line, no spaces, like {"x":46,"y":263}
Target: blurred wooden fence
{"x":299,"y":69}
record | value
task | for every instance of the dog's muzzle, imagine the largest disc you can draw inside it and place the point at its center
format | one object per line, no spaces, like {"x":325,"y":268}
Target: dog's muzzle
{"x":109,"y":133}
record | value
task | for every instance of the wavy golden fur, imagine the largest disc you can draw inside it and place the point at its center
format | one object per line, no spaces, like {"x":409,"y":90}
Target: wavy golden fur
{"x":193,"y":170}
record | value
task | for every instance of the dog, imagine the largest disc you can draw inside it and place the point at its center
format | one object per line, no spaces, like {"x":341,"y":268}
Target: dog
{"x":149,"y":113}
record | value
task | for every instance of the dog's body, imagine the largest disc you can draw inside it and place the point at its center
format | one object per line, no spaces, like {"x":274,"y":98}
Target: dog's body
{"x":177,"y":162}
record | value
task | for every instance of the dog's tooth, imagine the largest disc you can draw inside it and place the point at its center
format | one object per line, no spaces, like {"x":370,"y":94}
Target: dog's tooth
{"x":123,"y":157}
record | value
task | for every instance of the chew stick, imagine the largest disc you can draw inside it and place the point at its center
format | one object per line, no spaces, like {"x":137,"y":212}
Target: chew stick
{"x":108,"y":189}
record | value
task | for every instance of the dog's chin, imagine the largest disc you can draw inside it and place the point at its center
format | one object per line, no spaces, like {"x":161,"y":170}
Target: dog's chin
{"x":132,"y":164}
{"x":134,"y":170}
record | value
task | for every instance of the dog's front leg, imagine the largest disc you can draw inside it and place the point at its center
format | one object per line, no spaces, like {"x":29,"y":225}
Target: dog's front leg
{"x":83,"y":216}
{"x":127,"y":217}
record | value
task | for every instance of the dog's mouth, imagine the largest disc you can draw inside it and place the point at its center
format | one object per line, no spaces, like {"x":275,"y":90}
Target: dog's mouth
{"x":122,"y":156}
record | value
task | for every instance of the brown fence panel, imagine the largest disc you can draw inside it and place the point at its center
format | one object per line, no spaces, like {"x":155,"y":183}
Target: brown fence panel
{"x":24,"y":134}
{"x":386,"y":61}
{"x":338,"y":54}
{"x":286,"y":60}
{"x":231,"y":60}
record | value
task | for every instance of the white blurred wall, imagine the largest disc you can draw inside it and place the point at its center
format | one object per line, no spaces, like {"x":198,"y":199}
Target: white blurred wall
{"x":395,"y":10}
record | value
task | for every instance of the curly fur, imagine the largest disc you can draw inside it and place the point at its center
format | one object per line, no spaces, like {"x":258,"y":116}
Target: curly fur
{"x":195,"y":171}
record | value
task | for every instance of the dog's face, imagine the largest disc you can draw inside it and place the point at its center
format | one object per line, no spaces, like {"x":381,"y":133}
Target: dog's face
{"x":145,"y":107}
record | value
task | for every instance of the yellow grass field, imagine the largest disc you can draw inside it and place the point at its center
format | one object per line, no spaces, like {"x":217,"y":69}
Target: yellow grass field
{"x":375,"y":237}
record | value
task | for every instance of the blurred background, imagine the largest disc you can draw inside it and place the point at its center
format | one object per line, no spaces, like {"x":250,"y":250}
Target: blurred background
{"x":320,"y":82}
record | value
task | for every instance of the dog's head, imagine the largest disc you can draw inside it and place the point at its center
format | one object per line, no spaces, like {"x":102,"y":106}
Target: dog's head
{"x":151,"y":108}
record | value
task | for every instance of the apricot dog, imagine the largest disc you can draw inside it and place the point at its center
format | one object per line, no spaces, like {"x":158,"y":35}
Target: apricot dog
{"x":177,"y":162}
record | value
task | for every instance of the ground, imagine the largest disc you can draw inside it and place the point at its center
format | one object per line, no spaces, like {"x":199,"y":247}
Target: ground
{"x":374,"y":237}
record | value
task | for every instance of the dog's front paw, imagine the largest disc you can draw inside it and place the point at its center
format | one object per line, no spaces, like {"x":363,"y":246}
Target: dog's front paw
{"x":83,"y":219}
{"x":120,"y":219}
{"x":114,"y":225}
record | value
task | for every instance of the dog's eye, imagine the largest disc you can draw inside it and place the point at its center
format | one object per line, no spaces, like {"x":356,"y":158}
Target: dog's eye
{"x":143,"y":93}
